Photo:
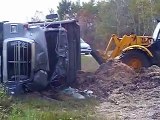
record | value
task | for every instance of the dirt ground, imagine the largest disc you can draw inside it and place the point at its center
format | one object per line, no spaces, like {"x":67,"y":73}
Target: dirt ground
{"x":124,"y":93}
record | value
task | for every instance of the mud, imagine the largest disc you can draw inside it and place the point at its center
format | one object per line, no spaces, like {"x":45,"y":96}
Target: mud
{"x":124,"y":93}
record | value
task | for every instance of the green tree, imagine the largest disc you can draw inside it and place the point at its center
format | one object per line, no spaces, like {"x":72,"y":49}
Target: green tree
{"x":75,"y":9}
{"x":68,"y":9}
{"x":99,"y":20}
{"x":156,"y":8}
{"x":87,"y":18}
{"x":142,"y":11}
{"x":106,"y":23}
{"x":64,"y":9}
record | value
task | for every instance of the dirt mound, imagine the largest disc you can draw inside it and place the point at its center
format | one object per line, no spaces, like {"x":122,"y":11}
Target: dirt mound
{"x":125,"y":105}
{"x":124,"y":92}
{"x":114,"y":74}
{"x":115,"y":70}
{"x":108,"y":77}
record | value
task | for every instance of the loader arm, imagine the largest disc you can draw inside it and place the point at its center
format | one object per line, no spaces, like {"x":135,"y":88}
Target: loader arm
{"x":122,"y":43}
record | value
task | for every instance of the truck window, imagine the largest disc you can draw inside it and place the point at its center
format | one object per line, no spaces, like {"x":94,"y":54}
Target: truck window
{"x":13,"y":29}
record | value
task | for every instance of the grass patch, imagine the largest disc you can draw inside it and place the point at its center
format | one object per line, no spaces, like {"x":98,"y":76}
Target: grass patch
{"x":41,"y":109}
{"x":29,"y":107}
{"x":5,"y":105}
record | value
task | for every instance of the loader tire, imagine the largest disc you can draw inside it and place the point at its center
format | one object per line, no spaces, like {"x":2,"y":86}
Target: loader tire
{"x":135,"y":59}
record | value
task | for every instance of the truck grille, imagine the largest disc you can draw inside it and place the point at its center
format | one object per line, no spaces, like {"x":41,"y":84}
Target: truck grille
{"x":17,"y":61}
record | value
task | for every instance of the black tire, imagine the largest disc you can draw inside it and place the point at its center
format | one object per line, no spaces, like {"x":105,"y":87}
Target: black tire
{"x":86,"y":53}
{"x":136,"y":54}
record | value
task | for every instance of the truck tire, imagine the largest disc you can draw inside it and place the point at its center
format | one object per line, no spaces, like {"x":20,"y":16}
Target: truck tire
{"x":86,"y":53}
{"x":135,"y":59}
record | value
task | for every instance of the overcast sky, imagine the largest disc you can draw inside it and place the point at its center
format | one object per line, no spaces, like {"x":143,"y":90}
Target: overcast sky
{"x":23,"y":10}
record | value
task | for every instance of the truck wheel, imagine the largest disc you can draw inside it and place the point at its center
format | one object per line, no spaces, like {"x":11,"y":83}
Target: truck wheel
{"x":135,"y":59}
{"x":86,"y":53}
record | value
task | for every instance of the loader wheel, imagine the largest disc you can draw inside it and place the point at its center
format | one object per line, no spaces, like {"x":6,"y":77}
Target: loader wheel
{"x":135,"y":59}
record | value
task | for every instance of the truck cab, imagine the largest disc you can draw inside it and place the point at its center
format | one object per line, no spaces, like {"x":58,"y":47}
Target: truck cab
{"x":39,"y":55}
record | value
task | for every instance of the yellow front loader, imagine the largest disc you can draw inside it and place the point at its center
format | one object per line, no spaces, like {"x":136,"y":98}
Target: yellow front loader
{"x":135,"y":51}
{"x":124,"y":44}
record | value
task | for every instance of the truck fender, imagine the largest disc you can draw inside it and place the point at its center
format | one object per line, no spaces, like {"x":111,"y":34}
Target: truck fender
{"x":146,"y":50}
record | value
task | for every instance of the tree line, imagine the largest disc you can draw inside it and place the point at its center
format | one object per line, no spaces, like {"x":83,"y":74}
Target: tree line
{"x":99,"y":20}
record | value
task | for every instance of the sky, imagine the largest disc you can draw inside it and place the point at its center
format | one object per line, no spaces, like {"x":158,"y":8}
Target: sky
{"x":23,"y":10}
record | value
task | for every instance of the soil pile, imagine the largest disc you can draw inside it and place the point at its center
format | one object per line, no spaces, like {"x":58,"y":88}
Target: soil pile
{"x":142,"y":104}
{"x":125,"y":94}
{"x":136,"y":101}
{"x":109,"y":76}
{"x":114,"y":74}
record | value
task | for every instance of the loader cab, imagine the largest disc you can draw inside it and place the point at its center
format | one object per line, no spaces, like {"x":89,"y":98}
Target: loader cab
{"x":155,"y":47}
{"x":156,"y":33}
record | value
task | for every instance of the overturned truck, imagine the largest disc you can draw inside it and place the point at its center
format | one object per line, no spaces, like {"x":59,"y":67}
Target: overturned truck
{"x":37,"y":56}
